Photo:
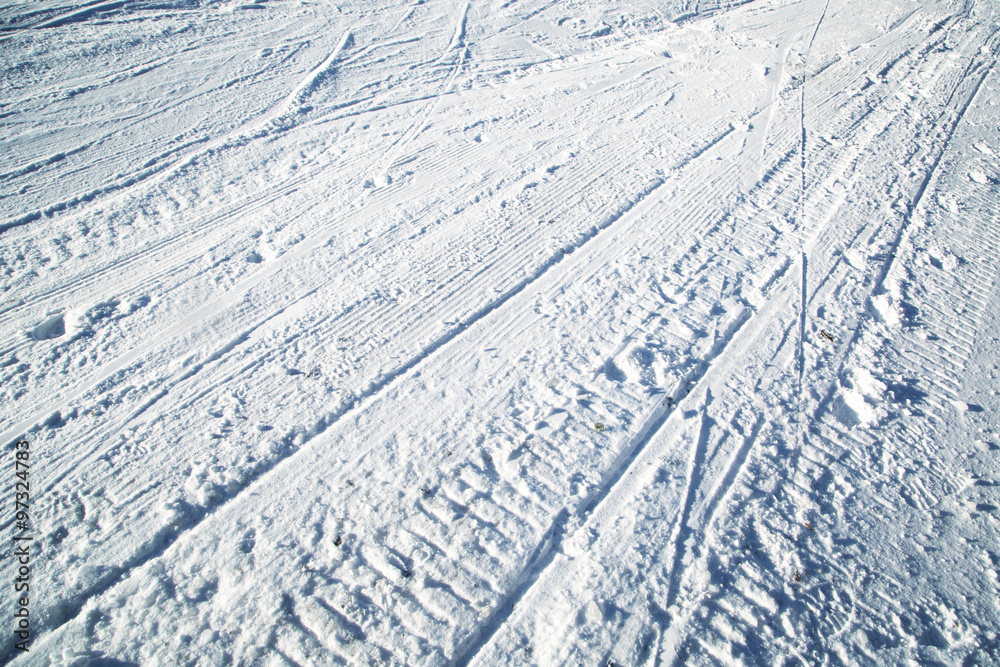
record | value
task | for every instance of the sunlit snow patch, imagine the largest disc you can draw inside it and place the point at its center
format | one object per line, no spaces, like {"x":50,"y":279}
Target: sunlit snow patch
{"x":855,"y":402}
{"x":884,"y":310}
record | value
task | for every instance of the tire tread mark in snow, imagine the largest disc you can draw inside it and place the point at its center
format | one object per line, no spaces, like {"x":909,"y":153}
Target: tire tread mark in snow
{"x":731,"y":475}
{"x":508,"y":297}
{"x":258,"y":127}
{"x":542,"y":558}
{"x":74,"y":608}
{"x":912,"y":206}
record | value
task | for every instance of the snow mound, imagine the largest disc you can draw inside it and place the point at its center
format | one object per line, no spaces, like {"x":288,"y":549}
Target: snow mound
{"x":885,"y":310}
{"x":856,"y":402}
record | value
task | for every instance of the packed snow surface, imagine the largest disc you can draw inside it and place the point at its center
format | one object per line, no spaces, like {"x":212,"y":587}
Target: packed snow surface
{"x":471,"y":332}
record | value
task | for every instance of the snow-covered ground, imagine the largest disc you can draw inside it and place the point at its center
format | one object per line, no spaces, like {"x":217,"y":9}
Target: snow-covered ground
{"x":548,"y":332}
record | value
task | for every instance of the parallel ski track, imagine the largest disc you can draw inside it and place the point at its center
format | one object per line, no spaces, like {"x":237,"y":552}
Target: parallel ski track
{"x":923,"y":369}
{"x":182,"y":259}
{"x":516,"y":269}
{"x":427,"y":353}
{"x":377,"y":387}
{"x":542,"y":563}
{"x":918,"y":195}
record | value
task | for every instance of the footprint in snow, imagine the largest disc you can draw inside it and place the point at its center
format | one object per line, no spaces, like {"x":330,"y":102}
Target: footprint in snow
{"x":612,"y":372}
{"x":53,"y":327}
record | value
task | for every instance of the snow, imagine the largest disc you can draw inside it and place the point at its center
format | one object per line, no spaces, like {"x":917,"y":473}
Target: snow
{"x":536,"y":332}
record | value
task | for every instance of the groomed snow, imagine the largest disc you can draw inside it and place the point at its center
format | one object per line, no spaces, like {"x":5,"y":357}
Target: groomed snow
{"x":471,"y":332}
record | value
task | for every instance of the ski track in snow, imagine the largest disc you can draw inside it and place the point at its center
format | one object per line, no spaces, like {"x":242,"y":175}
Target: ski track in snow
{"x":678,"y":571}
{"x":394,"y":350}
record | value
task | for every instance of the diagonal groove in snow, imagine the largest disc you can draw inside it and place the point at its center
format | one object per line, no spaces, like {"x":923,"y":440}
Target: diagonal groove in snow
{"x":269,"y":122}
{"x":682,"y":528}
{"x":297,"y":99}
{"x":730,"y":347}
{"x":911,"y":207}
{"x":425,"y":118}
{"x":674,"y":625}
{"x":617,"y":483}
{"x":730,"y":474}
{"x":512,"y":557}
{"x":165,"y":540}
{"x":740,"y":456}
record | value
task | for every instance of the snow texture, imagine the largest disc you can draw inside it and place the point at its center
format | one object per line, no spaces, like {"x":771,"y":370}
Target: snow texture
{"x":470,"y":332}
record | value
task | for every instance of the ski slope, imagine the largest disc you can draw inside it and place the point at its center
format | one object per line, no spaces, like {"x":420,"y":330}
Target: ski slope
{"x":453,"y":332}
